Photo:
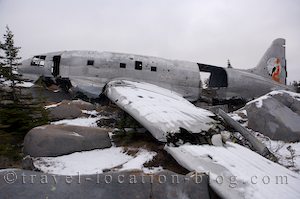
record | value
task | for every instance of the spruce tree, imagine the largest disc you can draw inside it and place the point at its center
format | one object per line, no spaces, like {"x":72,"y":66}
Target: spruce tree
{"x":10,"y":59}
{"x":19,"y":111}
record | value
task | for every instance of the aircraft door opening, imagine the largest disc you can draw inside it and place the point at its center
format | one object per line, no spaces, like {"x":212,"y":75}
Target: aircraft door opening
{"x":217,"y":76}
{"x":56,"y":63}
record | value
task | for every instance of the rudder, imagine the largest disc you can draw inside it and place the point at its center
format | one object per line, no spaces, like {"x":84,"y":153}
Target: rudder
{"x":273,"y":62}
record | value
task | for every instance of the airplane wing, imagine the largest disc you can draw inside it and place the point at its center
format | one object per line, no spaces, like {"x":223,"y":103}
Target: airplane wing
{"x":159,"y":110}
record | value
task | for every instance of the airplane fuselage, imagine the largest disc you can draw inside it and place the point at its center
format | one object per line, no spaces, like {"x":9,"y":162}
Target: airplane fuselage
{"x":90,"y":71}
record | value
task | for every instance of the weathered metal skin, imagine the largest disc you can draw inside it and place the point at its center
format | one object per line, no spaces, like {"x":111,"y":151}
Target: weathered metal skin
{"x":90,"y":71}
{"x":247,"y":85}
{"x":180,"y":76}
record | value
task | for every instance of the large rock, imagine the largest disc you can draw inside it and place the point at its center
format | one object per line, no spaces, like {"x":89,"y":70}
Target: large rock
{"x":275,"y":116}
{"x":69,"y":109}
{"x":288,"y":100}
{"x":126,"y":184}
{"x":64,"y":111}
{"x":82,"y":105}
{"x":56,"y":140}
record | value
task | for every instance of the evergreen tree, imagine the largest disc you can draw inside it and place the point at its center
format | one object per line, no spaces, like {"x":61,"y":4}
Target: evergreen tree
{"x":19,"y":111}
{"x":10,"y":59}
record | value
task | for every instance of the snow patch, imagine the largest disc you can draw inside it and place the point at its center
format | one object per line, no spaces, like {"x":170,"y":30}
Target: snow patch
{"x":88,"y":122}
{"x":21,"y":84}
{"x":25,"y":84}
{"x":95,"y":161}
{"x":88,"y":162}
{"x":94,"y":112}
{"x":142,"y":157}
{"x":259,"y":101}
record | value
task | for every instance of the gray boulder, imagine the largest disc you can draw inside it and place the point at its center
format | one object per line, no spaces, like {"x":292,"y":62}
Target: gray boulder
{"x":274,"y":118}
{"x":82,"y":105}
{"x":288,"y":100}
{"x":127,"y":184}
{"x":69,"y":109}
{"x":64,"y":111}
{"x":56,"y":140}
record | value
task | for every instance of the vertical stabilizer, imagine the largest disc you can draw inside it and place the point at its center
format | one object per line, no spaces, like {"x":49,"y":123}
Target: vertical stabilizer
{"x":273,"y":63}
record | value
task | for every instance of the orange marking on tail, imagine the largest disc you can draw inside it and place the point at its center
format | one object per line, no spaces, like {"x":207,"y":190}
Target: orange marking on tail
{"x":276,"y":73}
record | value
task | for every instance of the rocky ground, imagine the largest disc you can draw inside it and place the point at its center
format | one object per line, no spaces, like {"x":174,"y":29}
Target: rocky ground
{"x":99,"y":138}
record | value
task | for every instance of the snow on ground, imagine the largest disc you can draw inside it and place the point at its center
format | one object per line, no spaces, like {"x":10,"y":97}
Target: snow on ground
{"x":141,"y":157}
{"x":237,"y":172}
{"x":21,"y":84}
{"x":288,"y":154}
{"x":88,"y":122}
{"x":94,"y":162}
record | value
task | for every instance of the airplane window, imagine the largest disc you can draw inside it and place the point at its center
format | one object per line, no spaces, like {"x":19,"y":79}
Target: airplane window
{"x":153,"y":68}
{"x":122,"y":65}
{"x":38,"y":60}
{"x":138,"y":65}
{"x":90,"y":62}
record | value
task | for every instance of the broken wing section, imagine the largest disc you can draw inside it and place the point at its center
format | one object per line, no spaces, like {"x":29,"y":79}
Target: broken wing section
{"x":159,"y":110}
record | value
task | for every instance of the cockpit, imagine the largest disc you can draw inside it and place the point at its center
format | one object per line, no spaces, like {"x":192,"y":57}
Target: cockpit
{"x":38,"y":60}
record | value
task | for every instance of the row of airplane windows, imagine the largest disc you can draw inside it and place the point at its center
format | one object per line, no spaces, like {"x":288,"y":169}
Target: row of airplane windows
{"x":39,"y":60}
{"x":138,"y":65}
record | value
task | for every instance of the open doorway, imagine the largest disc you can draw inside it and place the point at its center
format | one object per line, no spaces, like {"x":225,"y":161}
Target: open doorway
{"x":56,"y":63}
{"x":217,"y":76}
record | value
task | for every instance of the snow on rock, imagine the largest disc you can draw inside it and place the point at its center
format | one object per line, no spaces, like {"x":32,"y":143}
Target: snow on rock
{"x":25,"y":84}
{"x":259,"y":101}
{"x":94,"y":112}
{"x":237,"y":172}
{"x":94,"y":162}
{"x":52,"y":105}
{"x":89,"y":122}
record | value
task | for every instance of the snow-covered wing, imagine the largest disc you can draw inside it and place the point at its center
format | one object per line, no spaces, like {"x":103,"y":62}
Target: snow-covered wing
{"x":237,"y":172}
{"x":159,"y":110}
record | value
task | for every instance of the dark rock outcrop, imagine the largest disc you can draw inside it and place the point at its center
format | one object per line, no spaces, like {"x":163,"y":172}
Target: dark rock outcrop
{"x":127,"y":184}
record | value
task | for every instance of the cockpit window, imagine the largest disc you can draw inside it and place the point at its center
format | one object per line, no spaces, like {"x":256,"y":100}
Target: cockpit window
{"x":38,"y":60}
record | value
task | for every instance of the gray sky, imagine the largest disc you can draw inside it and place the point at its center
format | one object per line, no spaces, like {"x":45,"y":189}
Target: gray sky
{"x":195,"y":30}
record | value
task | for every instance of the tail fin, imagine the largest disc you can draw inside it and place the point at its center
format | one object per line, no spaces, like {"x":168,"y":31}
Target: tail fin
{"x":273,"y":63}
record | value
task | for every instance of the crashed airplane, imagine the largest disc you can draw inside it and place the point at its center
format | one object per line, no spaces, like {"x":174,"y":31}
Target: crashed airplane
{"x":156,"y":91}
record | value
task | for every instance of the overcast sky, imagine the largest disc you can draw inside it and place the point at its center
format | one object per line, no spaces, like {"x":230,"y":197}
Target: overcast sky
{"x":195,"y":30}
